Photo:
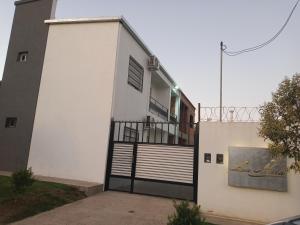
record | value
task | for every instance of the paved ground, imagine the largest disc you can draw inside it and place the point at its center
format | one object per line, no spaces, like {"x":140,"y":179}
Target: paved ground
{"x":112,"y":208}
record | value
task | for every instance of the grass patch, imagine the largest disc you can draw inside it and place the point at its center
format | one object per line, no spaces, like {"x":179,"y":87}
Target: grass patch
{"x":40,"y":197}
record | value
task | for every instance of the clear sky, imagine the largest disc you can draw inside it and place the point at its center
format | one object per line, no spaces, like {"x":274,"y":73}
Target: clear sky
{"x":185,"y":36}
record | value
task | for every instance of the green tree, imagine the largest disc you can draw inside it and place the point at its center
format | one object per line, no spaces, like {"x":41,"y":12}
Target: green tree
{"x":280,"y":121}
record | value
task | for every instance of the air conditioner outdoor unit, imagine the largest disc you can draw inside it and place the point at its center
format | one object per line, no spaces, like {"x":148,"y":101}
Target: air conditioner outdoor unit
{"x":153,"y":63}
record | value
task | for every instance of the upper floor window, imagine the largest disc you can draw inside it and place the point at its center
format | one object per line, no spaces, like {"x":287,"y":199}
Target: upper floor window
{"x":11,"y":122}
{"x":135,"y":74}
{"x":22,"y":57}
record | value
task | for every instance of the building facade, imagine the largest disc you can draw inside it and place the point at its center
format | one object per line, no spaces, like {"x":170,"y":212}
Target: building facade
{"x":21,"y":80}
{"x":66,"y":80}
{"x":186,"y":121}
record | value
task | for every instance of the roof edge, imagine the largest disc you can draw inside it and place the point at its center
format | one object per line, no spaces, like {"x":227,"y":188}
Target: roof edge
{"x":84,"y":20}
{"x":122,"y":20}
{"x":119,"y":19}
{"x":20,"y":2}
{"x":187,"y":99}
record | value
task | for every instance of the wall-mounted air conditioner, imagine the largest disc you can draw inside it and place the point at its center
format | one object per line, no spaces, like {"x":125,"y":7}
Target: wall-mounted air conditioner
{"x":153,"y":63}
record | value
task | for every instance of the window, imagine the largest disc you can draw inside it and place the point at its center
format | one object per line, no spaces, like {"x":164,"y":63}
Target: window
{"x":130,"y":135}
{"x":220,"y":159}
{"x":22,"y":57}
{"x":207,"y":157}
{"x":135,"y":74}
{"x":11,"y":122}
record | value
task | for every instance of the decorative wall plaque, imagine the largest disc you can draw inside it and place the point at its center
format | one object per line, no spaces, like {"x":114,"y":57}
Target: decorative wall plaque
{"x":255,"y":168}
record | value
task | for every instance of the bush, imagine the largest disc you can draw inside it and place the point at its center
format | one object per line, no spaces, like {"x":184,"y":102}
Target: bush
{"x":186,"y":215}
{"x":21,"y":180}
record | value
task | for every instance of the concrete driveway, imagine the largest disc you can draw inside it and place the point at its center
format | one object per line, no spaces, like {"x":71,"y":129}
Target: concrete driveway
{"x":107,"y":208}
{"x":114,"y":208}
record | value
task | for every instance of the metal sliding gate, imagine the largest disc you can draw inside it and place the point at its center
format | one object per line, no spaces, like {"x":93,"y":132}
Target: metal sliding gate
{"x":159,"y":159}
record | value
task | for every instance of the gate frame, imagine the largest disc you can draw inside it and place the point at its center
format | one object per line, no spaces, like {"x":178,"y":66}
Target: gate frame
{"x":109,"y":154}
{"x":134,"y":159}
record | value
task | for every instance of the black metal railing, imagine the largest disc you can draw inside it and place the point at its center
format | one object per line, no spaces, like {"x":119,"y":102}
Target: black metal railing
{"x":153,"y":133}
{"x":157,"y":108}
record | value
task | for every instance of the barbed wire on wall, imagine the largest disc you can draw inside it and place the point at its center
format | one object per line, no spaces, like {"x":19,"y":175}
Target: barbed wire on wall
{"x":230,"y":114}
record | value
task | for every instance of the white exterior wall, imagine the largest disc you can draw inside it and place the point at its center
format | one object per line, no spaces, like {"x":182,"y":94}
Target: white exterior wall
{"x":163,"y":95}
{"x":71,"y":128}
{"x":214,"y":194}
{"x":129,"y":103}
{"x":161,"y":91}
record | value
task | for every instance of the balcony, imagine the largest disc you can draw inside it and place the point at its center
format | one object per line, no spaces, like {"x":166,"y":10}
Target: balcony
{"x":173,"y":118}
{"x":158,"y":109}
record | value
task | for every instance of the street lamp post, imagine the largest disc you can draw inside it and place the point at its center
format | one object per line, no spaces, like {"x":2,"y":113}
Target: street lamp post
{"x":221,"y":78}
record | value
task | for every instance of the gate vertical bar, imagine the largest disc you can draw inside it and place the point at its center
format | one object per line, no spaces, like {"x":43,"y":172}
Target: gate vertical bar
{"x":196,"y":155}
{"x":143,"y":132}
{"x":154,"y":141}
{"x":109,"y":154}
{"x":196,"y":163}
{"x":161,"y":133}
{"x":119,"y":130}
{"x":133,"y":167}
{"x":124,"y":131}
{"x":188,"y":133}
{"x":168,"y":141}
{"x":175,"y":127}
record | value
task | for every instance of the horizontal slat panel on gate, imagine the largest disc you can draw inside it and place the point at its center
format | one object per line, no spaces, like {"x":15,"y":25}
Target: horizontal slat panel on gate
{"x":165,"y":162}
{"x":122,"y":160}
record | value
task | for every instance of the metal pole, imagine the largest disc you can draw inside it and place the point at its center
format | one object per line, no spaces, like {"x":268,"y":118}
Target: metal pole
{"x":199,"y":112}
{"x":221,"y":79}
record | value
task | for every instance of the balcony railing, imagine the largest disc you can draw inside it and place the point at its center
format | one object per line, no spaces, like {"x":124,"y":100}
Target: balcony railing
{"x":153,"y":133}
{"x":173,"y":118}
{"x":157,"y":108}
{"x":230,"y":114}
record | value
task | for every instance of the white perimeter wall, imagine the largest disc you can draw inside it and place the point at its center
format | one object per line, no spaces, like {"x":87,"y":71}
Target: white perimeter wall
{"x":214,"y":194}
{"x":71,"y":127}
{"x":129,"y":103}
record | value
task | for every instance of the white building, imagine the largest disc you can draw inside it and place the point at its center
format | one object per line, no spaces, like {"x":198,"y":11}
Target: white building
{"x":94,"y":70}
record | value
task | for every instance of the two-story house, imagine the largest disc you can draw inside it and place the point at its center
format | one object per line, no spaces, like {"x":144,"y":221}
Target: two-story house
{"x":65,"y":79}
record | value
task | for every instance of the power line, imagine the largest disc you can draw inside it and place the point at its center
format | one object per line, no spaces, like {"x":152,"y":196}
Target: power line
{"x":235,"y":53}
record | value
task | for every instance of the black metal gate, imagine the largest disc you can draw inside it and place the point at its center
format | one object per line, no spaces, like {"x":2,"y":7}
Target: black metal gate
{"x":153,"y":158}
